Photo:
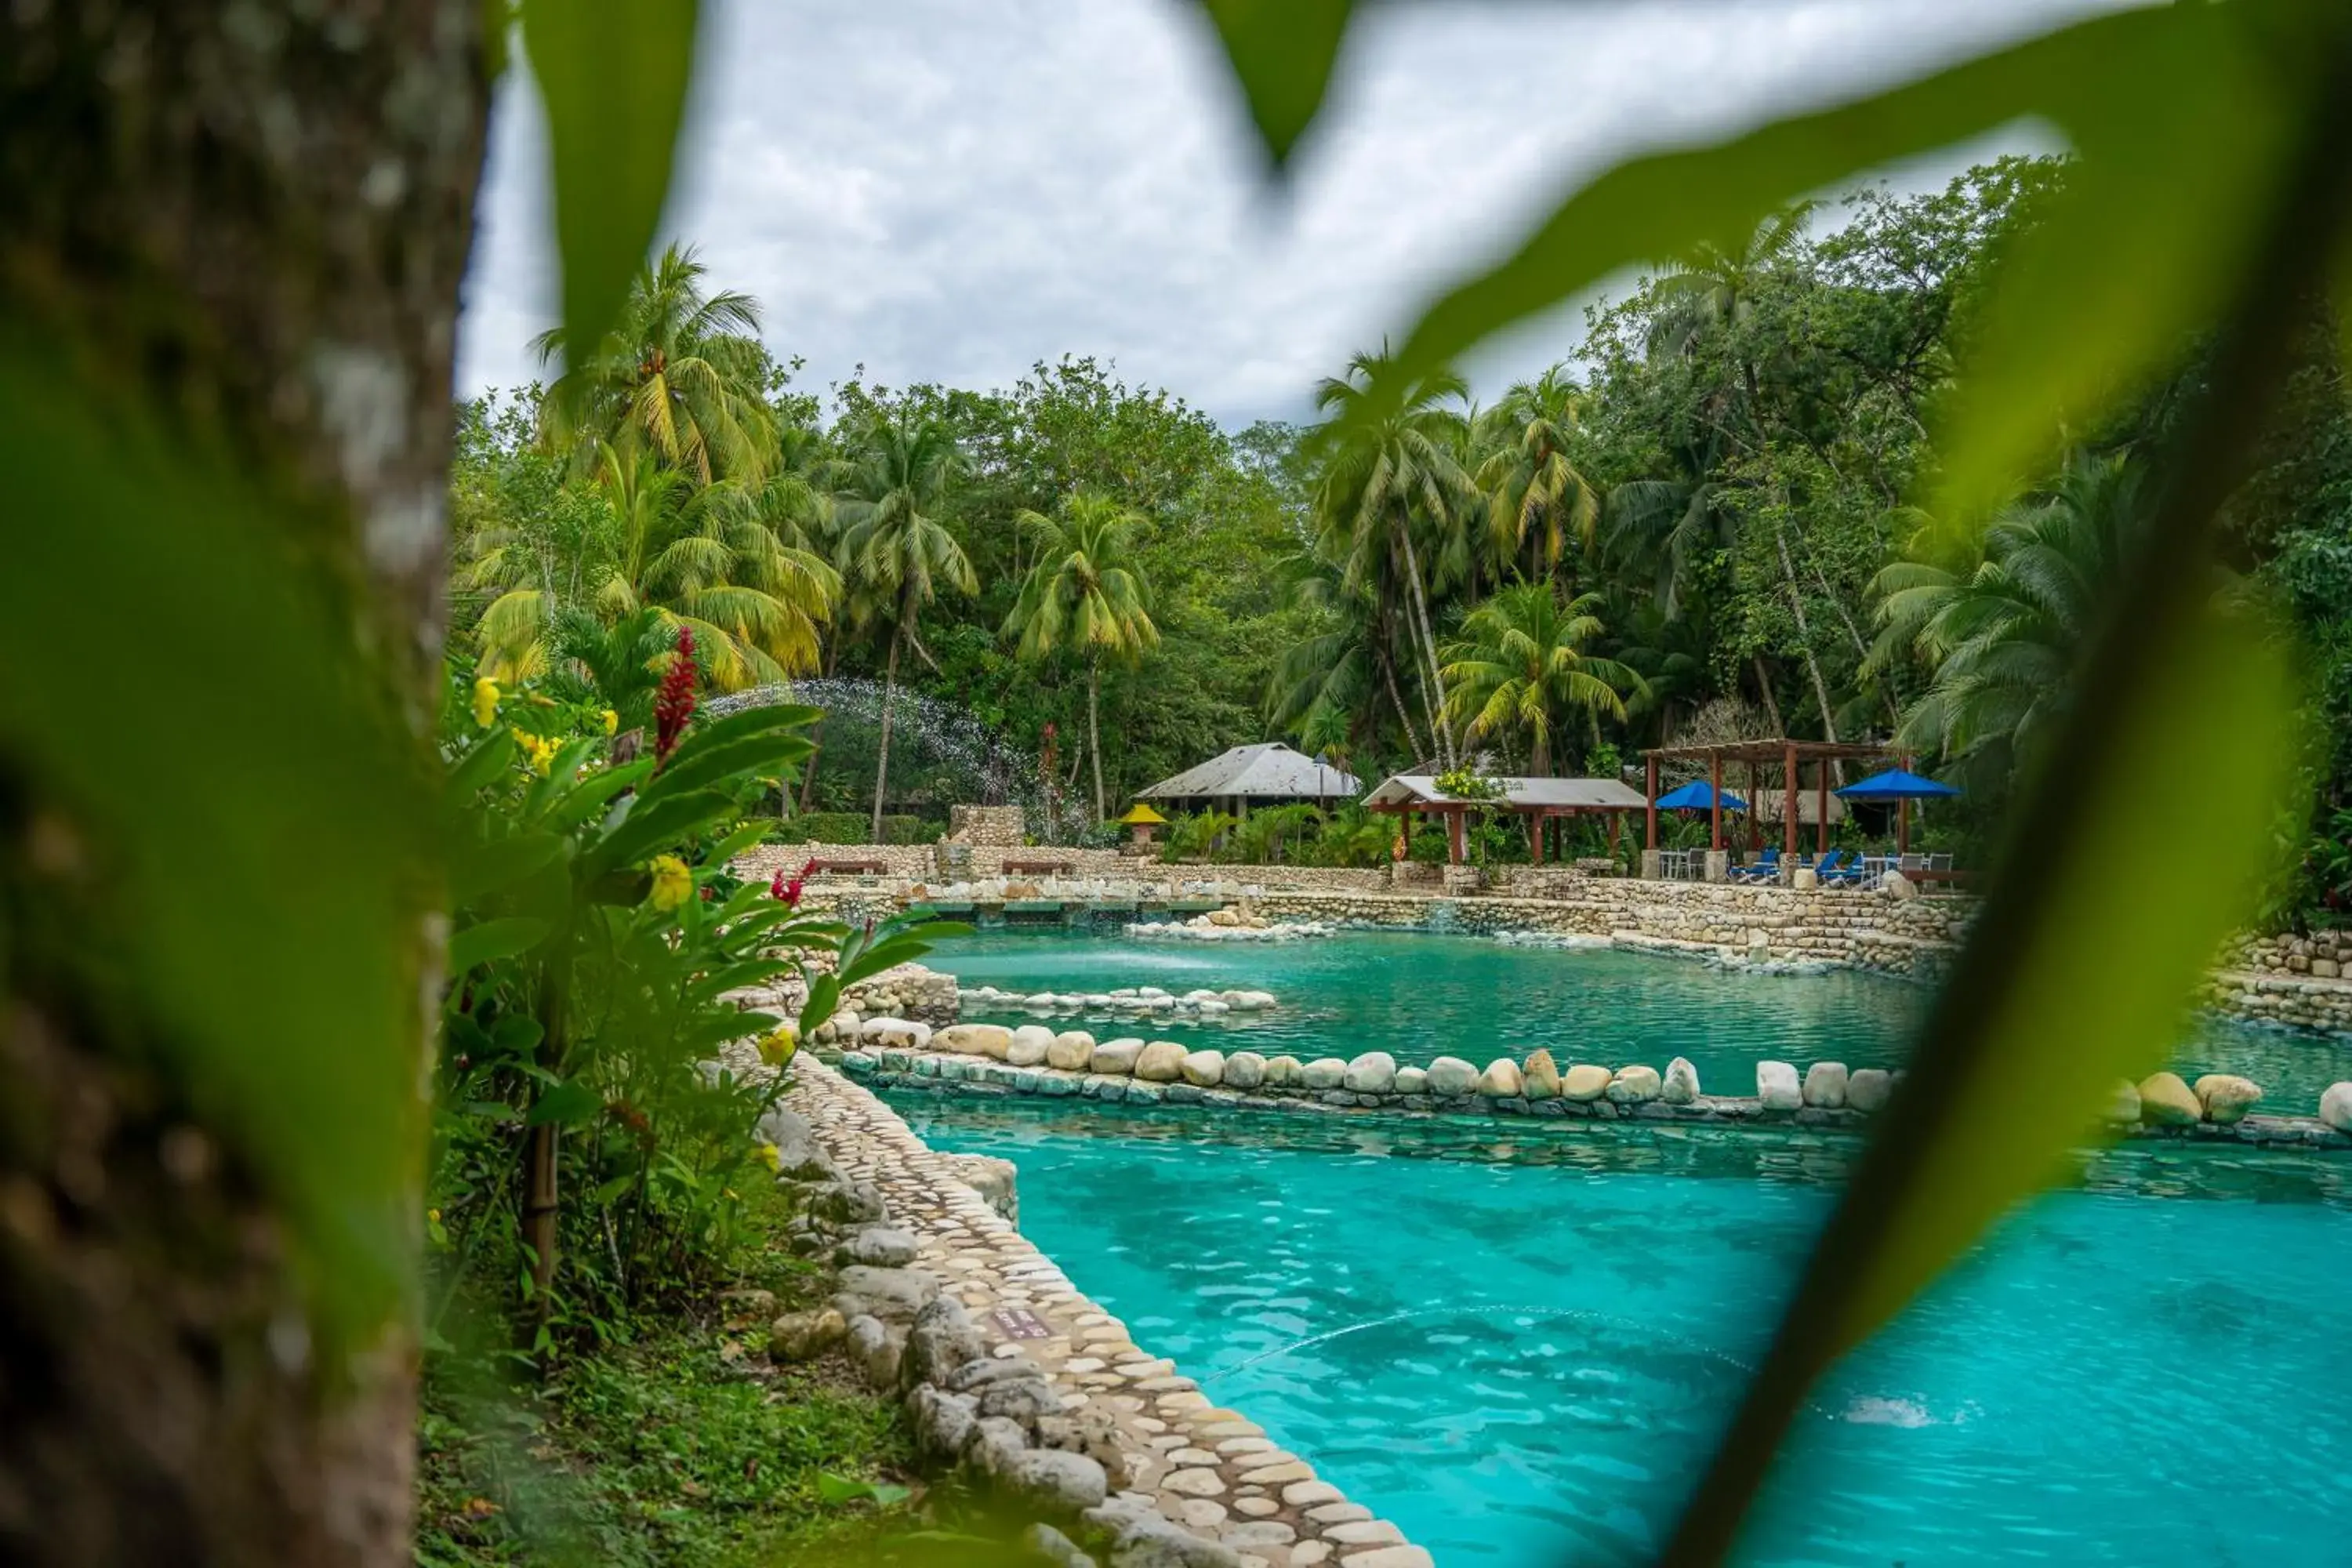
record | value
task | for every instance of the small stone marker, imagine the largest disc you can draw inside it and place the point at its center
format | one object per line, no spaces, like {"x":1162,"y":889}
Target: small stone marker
{"x":1019,"y":1323}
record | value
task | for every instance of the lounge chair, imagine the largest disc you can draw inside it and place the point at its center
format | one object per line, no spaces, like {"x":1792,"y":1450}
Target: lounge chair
{"x":1849,"y":874}
{"x":1766,"y":868}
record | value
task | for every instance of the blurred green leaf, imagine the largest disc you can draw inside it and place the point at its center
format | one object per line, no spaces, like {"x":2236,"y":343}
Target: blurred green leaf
{"x":1282,"y":53}
{"x":566,"y":1104}
{"x":480,"y":944}
{"x":824,"y":998}
{"x":834,"y":1491}
{"x":613,"y":75}
{"x":477,"y":871}
{"x":656,"y":826}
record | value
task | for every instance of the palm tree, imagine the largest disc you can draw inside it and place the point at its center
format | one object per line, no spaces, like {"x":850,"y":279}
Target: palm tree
{"x":893,"y":543}
{"x":683,"y":374}
{"x":2002,"y":626}
{"x":1714,"y":286}
{"x":1536,"y":498}
{"x":710,"y":557}
{"x":1388,"y":452}
{"x":1085,"y":591}
{"x":1520,"y":665}
{"x":1327,"y":686}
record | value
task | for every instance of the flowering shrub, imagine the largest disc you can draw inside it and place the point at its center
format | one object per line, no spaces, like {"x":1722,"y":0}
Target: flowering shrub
{"x":588,"y":1143}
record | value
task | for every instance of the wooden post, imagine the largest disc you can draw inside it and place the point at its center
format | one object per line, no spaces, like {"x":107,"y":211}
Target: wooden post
{"x":1789,"y":800}
{"x":1616,"y":830}
{"x":1454,"y":850}
{"x":1714,"y":806}
{"x":1903,"y":817}
{"x":1822,"y":812}
{"x":1653,"y":840}
{"x":1535,"y":835}
{"x":1755,"y":827}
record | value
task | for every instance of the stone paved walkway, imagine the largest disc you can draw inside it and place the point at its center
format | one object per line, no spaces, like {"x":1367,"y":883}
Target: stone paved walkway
{"x":1208,"y":1468}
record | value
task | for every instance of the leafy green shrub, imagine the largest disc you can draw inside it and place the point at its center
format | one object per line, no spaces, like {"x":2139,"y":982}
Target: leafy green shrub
{"x":584,"y":1142}
{"x":852,"y":827}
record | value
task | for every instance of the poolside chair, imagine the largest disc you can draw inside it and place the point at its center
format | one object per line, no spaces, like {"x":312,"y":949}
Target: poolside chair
{"x":1834,"y":874}
{"x":1767,"y":868}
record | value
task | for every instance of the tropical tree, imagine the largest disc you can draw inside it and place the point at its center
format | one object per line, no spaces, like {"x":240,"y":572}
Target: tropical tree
{"x":1715,"y":287}
{"x":1538,"y":501}
{"x":893,"y":546}
{"x":712,"y":557}
{"x":682,"y":375}
{"x":1520,"y":668}
{"x":1085,"y":592}
{"x":1389,"y":452}
{"x":2003,"y":632}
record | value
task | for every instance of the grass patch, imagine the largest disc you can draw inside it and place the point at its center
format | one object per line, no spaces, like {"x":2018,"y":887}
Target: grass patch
{"x":678,"y":1444}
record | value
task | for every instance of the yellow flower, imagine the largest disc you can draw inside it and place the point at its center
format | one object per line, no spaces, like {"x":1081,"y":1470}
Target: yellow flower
{"x":779,"y":1043}
{"x":612,"y":720}
{"x":539,"y":751}
{"x":673,"y":883}
{"x":432,"y":1215}
{"x":485,"y":701}
{"x":772,"y":1156}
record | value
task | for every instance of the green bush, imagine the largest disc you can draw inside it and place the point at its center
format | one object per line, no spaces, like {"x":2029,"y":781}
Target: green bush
{"x":852,"y":827}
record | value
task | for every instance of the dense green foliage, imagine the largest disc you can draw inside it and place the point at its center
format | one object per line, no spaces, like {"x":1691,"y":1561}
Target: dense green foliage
{"x":1706,"y":524}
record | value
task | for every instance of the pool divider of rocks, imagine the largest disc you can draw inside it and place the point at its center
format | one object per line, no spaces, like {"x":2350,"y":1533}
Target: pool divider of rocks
{"x":1017,"y":1382}
{"x":1033,"y":1059}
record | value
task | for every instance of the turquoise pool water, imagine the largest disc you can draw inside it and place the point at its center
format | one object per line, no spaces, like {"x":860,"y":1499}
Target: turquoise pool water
{"x":1422,"y":996}
{"x":1519,"y":1346}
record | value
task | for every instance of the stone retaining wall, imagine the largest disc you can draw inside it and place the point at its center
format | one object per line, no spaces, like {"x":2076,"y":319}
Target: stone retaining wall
{"x":989,"y":1059}
{"x":2288,"y":1000}
{"x":1773,"y":925}
{"x":2322,"y":955}
{"x":992,"y":1318}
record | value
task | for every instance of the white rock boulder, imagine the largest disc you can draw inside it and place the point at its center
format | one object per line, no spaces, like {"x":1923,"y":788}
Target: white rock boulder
{"x":1162,"y":1061}
{"x":1452,"y":1075}
{"x":1073,"y":1050}
{"x":2336,"y":1106}
{"x":1413,"y":1080}
{"x":1374,"y":1072}
{"x":1116,"y":1057}
{"x":1032,"y":1043}
{"x":1824,"y":1086}
{"x":1776,"y":1086}
{"x":1681,"y":1084}
{"x":1634,"y":1085}
{"x":1584,"y":1081}
{"x":1324,"y":1072}
{"x":2226,"y":1097}
{"x":1204,"y":1070}
{"x":1244,"y":1069}
{"x":1501,"y":1080}
{"x":1869,"y":1089}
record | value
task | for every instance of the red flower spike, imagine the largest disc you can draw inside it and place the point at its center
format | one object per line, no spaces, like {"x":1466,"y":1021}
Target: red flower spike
{"x":674,"y":703}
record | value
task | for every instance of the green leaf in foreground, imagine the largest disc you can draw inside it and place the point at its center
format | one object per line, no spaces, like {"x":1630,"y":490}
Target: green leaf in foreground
{"x":613,"y":75}
{"x":1282,"y":53}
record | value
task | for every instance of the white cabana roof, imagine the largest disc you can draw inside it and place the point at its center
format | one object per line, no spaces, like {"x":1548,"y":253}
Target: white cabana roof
{"x":1526,"y":795}
{"x":1270,"y":771}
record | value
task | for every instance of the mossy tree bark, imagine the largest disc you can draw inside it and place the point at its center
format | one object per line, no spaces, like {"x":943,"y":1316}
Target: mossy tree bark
{"x":249,"y":222}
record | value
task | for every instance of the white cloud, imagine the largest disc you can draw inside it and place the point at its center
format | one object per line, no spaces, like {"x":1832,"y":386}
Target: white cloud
{"x":942,"y":191}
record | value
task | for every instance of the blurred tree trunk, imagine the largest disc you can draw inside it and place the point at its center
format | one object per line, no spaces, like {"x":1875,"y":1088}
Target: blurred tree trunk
{"x":251,"y":220}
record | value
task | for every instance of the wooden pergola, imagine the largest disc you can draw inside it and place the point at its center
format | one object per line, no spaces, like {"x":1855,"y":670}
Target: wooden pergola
{"x":1540,"y":800}
{"x":1789,"y":756}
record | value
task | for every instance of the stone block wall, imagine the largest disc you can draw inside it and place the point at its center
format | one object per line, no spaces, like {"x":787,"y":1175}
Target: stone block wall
{"x":2325,"y":955}
{"x":998,"y":827}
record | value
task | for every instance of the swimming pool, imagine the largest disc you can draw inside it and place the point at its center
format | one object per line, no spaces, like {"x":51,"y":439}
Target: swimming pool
{"x":1423,"y":996}
{"x":1519,"y":1346}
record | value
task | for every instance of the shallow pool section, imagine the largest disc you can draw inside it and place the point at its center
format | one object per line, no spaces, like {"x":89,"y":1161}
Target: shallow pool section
{"x":1422,"y":996}
{"x":1519,"y":1348}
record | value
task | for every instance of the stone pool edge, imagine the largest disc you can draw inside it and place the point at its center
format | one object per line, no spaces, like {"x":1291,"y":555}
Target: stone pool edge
{"x":952,"y":1072}
{"x":1207,"y":1470}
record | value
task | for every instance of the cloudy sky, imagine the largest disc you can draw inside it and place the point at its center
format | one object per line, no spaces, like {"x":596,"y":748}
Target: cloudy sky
{"x":938,"y":190}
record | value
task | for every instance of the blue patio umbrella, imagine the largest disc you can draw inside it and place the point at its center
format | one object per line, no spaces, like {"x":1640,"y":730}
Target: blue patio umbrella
{"x":1902,"y":787}
{"x":1895,"y":784}
{"x":1698,"y":795}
